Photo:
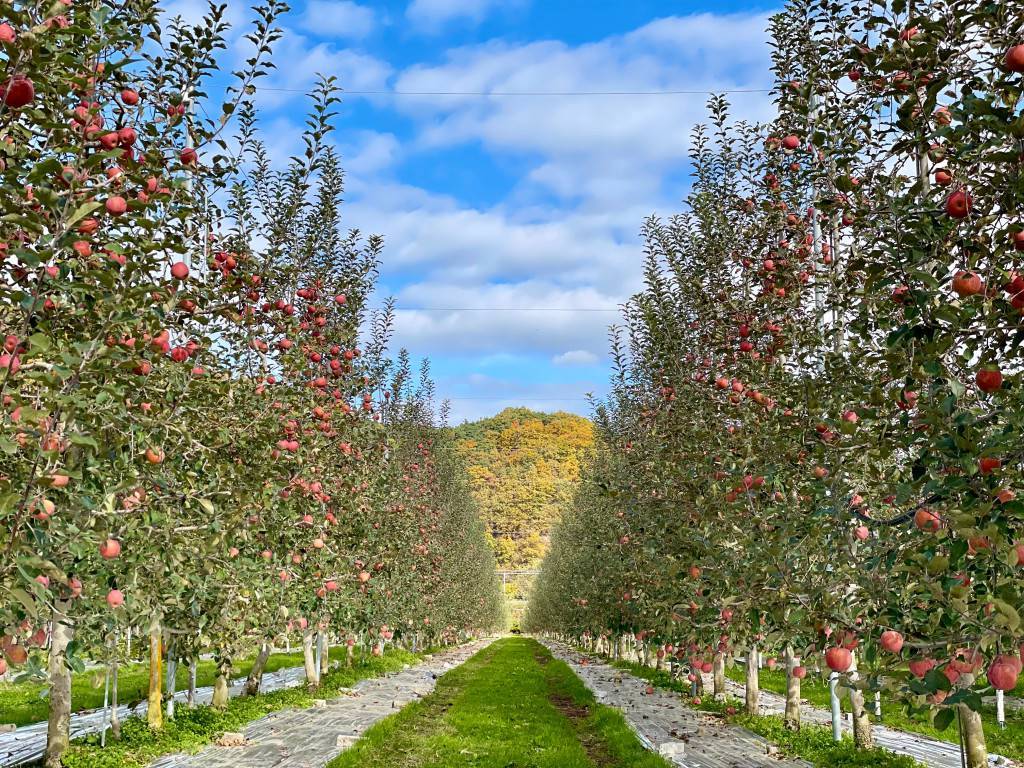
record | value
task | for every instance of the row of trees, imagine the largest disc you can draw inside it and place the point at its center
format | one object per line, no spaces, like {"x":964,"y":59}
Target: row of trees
{"x":203,"y":439}
{"x":813,"y":443}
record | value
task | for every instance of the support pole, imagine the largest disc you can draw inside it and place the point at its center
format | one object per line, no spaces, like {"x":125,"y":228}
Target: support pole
{"x":837,"y":725}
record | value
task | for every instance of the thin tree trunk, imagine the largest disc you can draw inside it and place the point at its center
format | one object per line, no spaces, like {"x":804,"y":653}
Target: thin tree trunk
{"x":193,"y":673}
{"x":58,"y":732}
{"x":115,"y":719}
{"x":718,"y":674}
{"x":791,"y":718}
{"x":753,"y":692}
{"x":308,"y":662}
{"x":220,"y":682}
{"x":862,"y":735}
{"x":172,"y":679}
{"x":325,"y":653}
{"x":349,"y":650}
{"x":255,"y":678}
{"x":155,"y":713}
{"x":974,"y":737}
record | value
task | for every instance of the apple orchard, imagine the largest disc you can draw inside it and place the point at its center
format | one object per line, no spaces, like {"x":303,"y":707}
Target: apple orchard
{"x":204,"y":439}
{"x":812,"y":448}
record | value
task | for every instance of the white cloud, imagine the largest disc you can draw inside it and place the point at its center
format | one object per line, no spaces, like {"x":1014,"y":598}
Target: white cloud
{"x":476,"y":396}
{"x":306,"y":61}
{"x":524,"y":318}
{"x":432,"y":14}
{"x":594,"y":145}
{"x":368,"y":153}
{"x":588,"y":170}
{"x":338,"y":18}
{"x":575,"y":357}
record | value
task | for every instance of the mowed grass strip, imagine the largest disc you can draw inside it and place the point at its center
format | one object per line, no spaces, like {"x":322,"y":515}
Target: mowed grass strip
{"x":510,"y":706}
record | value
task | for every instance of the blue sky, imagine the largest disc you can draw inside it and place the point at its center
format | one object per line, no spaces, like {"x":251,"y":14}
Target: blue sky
{"x":529,"y":205}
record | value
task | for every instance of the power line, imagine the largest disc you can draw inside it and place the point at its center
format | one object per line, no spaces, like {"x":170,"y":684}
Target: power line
{"x":502,"y":309}
{"x":526,"y":399}
{"x":529,"y":94}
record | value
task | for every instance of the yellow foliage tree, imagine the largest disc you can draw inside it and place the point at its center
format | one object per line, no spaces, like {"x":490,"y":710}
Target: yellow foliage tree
{"x":524,"y":467}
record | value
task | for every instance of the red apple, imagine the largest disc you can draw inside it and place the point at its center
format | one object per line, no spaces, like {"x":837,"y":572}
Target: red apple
{"x":115,"y":598}
{"x":967,"y":284}
{"x":988,"y":465}
{"x":927,"y":520}
{"x":799,"y":672}
{"x":989,"y":380}
{"x":1014,"y":59}
{"x":129,"y":97}
{"x":110,"y":549}
{"x":1003,"y":674}
{"x":838,"y":659}
{"x":17,"y":92}
{"x":179,"y":270}
{"x":892,"y":641}
{"x":116,"y":205}
{"x":959,"y":204}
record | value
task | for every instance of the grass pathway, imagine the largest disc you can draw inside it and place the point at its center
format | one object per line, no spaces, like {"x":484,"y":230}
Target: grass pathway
{"x":511,"y":705}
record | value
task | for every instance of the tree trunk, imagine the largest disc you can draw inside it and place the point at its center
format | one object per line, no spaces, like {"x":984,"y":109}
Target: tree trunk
{"x":172,"y":679}
{"x":115,"y":719}
{"x":718,"y":674}
{"x":791,"y":718}
{"x":58,"y":732}
{"x":221,"y":694}
{"x":155,"y":712}
{"x":753,"y":689}
{"x":308,"y":661}
{"x":974,"y":737}
{"x":252,"y":683}
{"x":349,"y":650}
{"x":193,"y":673}
{"x":862,"y":735}
{"x":325,"y":653}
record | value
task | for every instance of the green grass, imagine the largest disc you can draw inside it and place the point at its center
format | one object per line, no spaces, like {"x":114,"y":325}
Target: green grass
{"x":1008,"y":742}
{"x":510,"y":706}
{"x":812,"y":743}
{"x":26,"y":703}
{"x":193,"y":729}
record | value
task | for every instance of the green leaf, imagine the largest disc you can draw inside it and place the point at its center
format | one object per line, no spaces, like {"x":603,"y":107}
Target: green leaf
{"x":82,"y":211}
{"x":39,"y":341}
{"x":944,"y":719}
{"x":79,"y":439}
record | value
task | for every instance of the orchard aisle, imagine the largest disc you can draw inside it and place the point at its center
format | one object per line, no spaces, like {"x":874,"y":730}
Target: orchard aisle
{"x":310,"y":738}
{"x":683,"y":735}
{"x":931,"y":752}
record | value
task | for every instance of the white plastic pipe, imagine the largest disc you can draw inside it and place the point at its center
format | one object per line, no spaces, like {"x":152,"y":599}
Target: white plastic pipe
{"x":837,"y":725}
